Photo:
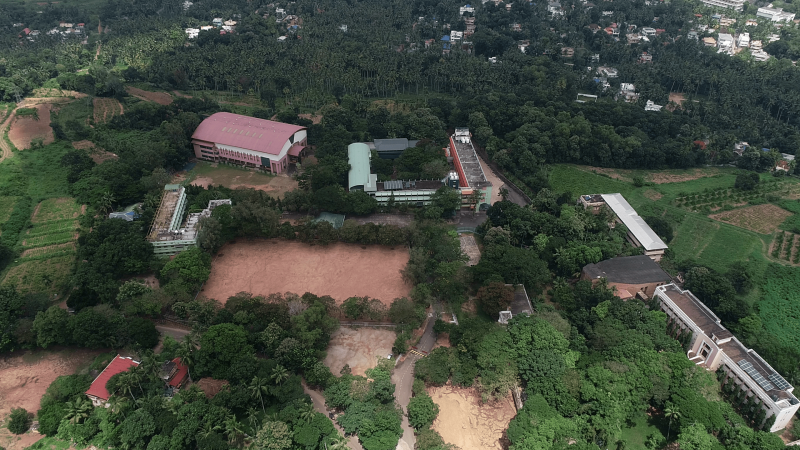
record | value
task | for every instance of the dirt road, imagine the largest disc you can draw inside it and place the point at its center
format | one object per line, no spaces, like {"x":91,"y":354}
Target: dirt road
{"x":4,"y":146}
{"x":319,"y":406}
{"x":403,"y":378}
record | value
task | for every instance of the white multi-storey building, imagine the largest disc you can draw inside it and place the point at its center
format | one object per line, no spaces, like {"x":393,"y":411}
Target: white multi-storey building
{"x":714,"y":347}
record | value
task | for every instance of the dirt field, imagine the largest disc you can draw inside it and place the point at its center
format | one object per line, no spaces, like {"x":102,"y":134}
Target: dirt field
{"x":470,"y":248}
{"x":762,"y":219}
{"x":359,"y":348}
{"x":677,"y":98}
{"x":652,"y":195}
{"x":25,"y":129}
{"x":162,"y":98}
{"x":106,"y":108}
{"x":235,"y":178}
{"x":339,"y":270}
{"x":14,"y":442}
{"x":658,"y":177}
{"x":467,"y":423}
{"x":97,"y":154}
{"x":314,"y":118}
{"x":24,"y":378}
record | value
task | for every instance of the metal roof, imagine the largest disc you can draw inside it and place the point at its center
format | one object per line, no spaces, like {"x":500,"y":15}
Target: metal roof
{"x":391,"y":145}
{"x":628,"y":269}
{"x":245,"y":132}
{"x":635,"y":224}
{"x":358,"y":156}
{"x":117,"y":365}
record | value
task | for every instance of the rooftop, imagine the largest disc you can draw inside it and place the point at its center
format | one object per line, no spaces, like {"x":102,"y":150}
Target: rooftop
{"x":393,"y":145}
{"x":117,"y":365}
{"x":521,"y":303}
{"x":635,"y":224}
{"x":359,"y":177}
{"x":747,"y":359}
{"x":245,"y":132}
{"x":466,"y":155}
{"x":628,"y":269}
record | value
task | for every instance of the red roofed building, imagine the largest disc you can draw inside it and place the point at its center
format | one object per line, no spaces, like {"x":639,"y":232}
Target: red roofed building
{"x":174,"y":374}
{"x":248,"y":141}
{"x":97,"y":392}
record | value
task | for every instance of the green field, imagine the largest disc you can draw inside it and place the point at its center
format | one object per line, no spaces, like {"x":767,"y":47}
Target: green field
{"x":6,"y":206}
{"x":779,"y":308}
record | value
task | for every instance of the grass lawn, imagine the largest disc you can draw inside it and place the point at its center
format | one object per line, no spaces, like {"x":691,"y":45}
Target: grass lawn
{"x":643,"y":426}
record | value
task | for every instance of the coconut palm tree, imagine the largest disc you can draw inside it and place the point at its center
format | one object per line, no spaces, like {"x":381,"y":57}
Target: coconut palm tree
{"x":671,"y":412}
{"x":117,"y":404}
{"x":338,"y":443}
{"x":258,"y":387}
{"x":252,"y":418}
{"x":186,"y":354}
{"x":279,"y":374}
{"x":78,"y":410}
{"x":235,"y":431}
{"x":307,"y":413}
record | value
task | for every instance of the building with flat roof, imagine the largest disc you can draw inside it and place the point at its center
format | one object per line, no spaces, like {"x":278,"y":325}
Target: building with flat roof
{"x":736,"y":5}
{"x":639,"y":232}
{"x":629,"y":275}
{"x":775,"y":14}
{"x":169,"y":234}
{"x":714,"y":347}
{"x":250,"y":142}
{"x":471,"y":178}
{"x":392,"y":148}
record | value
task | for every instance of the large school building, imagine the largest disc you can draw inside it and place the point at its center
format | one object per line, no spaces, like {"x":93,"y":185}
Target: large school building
{"x":247,"y":141}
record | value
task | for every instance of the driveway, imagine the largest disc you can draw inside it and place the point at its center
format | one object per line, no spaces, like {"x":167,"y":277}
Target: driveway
{"x":403,"y":378}
{"x":319,"y":406}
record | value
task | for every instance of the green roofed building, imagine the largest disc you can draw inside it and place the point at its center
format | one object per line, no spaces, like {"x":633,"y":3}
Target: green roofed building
{"x":359,"y":178}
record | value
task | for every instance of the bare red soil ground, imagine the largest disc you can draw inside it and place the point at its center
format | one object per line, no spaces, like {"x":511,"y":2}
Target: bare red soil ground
{"x":25,"y":129}
{"x":339,"y":270}
{"x":466,"y":422}
{"x":360,"y":348}
{"x":162,"y":98}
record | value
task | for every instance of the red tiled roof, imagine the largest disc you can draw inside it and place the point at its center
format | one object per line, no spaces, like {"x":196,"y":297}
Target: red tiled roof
{"x":245,"y":132}
{"x":117,"y":365}
{"x":180,"y":375}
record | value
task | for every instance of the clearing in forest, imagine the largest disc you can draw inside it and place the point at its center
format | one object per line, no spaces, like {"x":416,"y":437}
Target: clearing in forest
{"x":359,"y":348}
{"x":26,"y":129}
{"x":97,"y":154}
{"x":340,"y":270}
{"x":205,"y":174}
{"x":162,"y":98}
{"x":468,"y":423}
{"x":763,"y":219}
{"x":106,"y":108}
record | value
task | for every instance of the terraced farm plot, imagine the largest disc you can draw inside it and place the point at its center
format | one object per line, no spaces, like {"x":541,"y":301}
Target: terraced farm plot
{"x":48,"y":251}
{"x":56,"y":209}
{"x":49,"y":239}
{"x":718,"y":198}
{"x":763,"y":219}
{"x":106,"y":108}
{"x":40,"y":275}
{"x":52,"y":227}
{"x":6,"y":207}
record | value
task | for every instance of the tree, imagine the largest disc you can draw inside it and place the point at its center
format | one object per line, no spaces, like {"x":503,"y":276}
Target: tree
{"x":273,"y":436}
{"x":258,"y":387}
{"x":279,"y":374}
{"x":495,"y":297}
{"x":422,"y":411}
{"x":11,"y":304}
{"x":671,"y":413}
{"x":404,"y":311}
{"x":18,"y":421}
{"x":695,"y":437}
{"x":78,"y":410}
{"x":193,"y":266}
{"x":746,"y":181}
{"x":221,"y":348}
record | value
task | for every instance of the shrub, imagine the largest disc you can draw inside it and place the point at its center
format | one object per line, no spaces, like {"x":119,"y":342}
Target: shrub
{"x":422,"y":411}
{"x":18,"y":421}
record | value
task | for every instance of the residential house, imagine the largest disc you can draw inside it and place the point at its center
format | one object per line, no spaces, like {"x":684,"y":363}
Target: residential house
{"x":756,"y":45}
{"x":594,"y":27}
{"x":775,"y":14}
{"x":782,"y":165}
{"x":603,"y":81}
{"x":634,"y":39}
{"x":470,"y":26}
{"x":649,"y":31}
{"x":206,"y":28}
{"x":715,"y":348}
{"x":229,"y":23}
{"x":516,"y":27}
{"x":639,"y":232}
{"x":192,"y":33}
{"x":740,"y":147}
{"x":523,"y":45}
{"x":709,"y":42}
{"x":760,"y":55}
{"x":787,"y":157}
{"x":692,"y":35}
{"x":608,"y":13}
{"x":725,"y":41}
{"x":751,"y":23}
{"x":627,"y":92}
{"x":608,"y":72}
{"x":774,"y":37}
{"x":567,"y":52}
{"x":743,"y":40}
{"x":630,"y":276}
{"x":554,"y":8}
{"x":217,"y":21}
{"x":726,"y":22}
{"x":97,"y":391}
{"x":466,"y":9}
{"x":650,"y":106}
{"x":174,"y":374}
{"x":645,"y":57}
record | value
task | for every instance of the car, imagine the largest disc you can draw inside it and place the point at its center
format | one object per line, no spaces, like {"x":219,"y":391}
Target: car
{"x":389,"y":356}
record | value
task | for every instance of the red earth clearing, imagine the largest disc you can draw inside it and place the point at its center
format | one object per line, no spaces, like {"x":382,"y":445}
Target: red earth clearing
{"x":25,"y":129}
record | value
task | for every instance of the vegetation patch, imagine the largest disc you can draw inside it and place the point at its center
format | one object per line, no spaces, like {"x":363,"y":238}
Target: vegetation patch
{"x":48,"y":251}
{"x":6,"y":207}
{"x":49,"y":239}
{"x":779,"y":308}
{"x":40,"y":275}
{"x":763,"y":219}
{"x":105,"y":108}
{"x":56,"y":209}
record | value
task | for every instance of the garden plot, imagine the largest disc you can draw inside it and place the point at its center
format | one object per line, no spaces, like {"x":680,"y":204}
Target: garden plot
{"x":56,"y":209}
{"x":40,"y":275}
{"x":763,"y":219}
{"x":106,"y":108}
{"x":53,"y":227}
{"x":25,"y":130}
{"x":718,"y":198}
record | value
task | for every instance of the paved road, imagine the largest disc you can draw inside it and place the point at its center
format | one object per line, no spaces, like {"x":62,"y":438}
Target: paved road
{"x":175,"y":333}
{"x":403,"y":378}
{"x":319,"y":405}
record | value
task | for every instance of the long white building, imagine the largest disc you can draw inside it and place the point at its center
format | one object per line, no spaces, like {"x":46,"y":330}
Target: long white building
{"x":737,"y":5}
{"x":713,"y":346}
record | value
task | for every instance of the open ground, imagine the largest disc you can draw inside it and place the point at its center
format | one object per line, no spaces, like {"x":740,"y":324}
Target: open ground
{"x":763,"y":219}
{"x":162,"y":98}
{"x":466,"y":422}
{"x":24,"y":378}
{"x":26,"y":129}
{"x":339,"y":270}
{"x":657,"y":176}
{"x":359,"y":348}
{"x":97,"y":154}
{"x":470,"y":248}
{"x":205,"y":174}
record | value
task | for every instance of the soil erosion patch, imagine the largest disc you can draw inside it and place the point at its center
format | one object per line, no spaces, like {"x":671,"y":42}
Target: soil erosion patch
{"x":359,"y":348}
{"x":467,"y":423}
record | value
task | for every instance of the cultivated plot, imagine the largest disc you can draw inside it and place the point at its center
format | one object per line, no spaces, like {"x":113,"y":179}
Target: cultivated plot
{"x":56,"y":209}
{"x":339,"y":270}
{"x":359,"y":348}
{"x":763,"y":219}
{"x":106,"y":108}
{"x":162,"y":98}
{"x":26,"y":129}
{"x":468,"y":423}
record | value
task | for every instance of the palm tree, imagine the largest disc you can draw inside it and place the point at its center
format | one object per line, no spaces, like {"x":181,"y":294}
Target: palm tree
{"x":106,"y":202}
{"x":252,"y":418}
{"x":307,"y":413}
{"x":279,"y":374}
{"x":186,"y":354}
{"x":671,"y":412}
{"x":338,"y":443}
{"x":235,"y":431}
{"x":258,"y":387}
{"x":117,"y":404}
{"x":78,"y":410}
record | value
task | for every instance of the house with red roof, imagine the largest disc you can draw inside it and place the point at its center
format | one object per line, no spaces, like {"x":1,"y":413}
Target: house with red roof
{"x":250,"y":142}
{"x":97,"y":392}
{"x":174,"y":374}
